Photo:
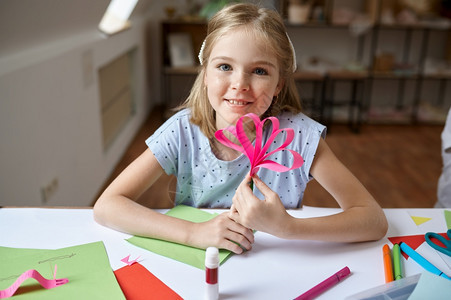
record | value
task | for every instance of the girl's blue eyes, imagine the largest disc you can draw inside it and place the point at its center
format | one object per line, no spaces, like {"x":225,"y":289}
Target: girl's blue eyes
{"x":258,"y":71}
{"x":224,"y":67}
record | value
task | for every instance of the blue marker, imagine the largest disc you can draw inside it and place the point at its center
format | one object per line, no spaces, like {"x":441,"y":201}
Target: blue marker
{"x":421,"y":260}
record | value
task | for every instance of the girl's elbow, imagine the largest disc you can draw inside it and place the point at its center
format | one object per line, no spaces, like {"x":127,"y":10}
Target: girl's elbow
{"x":99,"y":212}
{"x":384,"y":226}
{"x":380,"y":226}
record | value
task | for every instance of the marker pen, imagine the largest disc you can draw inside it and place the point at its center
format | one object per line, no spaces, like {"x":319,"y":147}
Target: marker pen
{"x":325,"y":285}
{"x":422,"y":261}
{"x":388,"y":265}
{"x":397,"y":267}
{"x":211,"y":273}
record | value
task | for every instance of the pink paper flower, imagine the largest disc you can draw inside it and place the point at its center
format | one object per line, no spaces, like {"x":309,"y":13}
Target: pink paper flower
{"x":257,"y":154}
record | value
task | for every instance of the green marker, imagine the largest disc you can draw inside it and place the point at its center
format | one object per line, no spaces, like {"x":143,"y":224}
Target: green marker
{"x":397,"y":261}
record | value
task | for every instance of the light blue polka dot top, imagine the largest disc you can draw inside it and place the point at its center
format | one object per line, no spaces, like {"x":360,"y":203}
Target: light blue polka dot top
{"x":205,"y":181}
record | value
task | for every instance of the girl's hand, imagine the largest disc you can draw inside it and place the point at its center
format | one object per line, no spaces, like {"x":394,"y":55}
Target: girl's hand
{"x":222,"y":232}
{"x":267,"y":215}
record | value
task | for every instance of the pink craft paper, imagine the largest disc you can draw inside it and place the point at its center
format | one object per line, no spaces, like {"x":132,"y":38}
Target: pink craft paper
{"x":45,"y":283}
{"x":257,"y":154}
{"x":129,"y":262}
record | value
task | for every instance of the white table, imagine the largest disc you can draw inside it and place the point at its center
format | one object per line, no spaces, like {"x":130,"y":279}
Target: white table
{"x":273,"y":269}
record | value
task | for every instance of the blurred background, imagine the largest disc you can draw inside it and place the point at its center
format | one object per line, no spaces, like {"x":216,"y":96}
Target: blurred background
{"x":77,"y":101}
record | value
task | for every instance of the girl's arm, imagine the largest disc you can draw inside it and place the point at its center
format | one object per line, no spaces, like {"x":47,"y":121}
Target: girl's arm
{"x":116,"y":208}
{"x":362,"y":218}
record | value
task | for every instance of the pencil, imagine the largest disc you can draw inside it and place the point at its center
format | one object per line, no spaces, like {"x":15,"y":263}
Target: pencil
{"x":388,"y":266}
{"x":397,"y":262}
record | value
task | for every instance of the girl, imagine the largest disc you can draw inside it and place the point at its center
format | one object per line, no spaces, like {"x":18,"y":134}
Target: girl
{"x":247,"y":62}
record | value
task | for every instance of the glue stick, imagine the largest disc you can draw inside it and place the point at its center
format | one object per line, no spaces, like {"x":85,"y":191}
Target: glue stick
{"x":211,"y":273}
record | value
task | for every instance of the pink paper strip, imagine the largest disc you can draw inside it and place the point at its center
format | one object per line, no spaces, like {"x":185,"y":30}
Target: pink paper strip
{"x":257,"y":155}
{"x":45,"y":283}
{"x":129,"y":262}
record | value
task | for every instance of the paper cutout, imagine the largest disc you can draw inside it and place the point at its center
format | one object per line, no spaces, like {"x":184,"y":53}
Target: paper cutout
{"x":257,"y":154}
{"x":129,"y":262}
{"x":86,"y":266}
{"x":420,"y":220}
{"x":448,"y":218}
{"x":45,"y":283}
{"x":138,"y":283}
{"x":189,"y":255}
{"x":414,"y":241}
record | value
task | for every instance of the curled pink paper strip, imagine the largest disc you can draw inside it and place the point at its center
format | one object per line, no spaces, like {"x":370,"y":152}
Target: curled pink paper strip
{"x":46,"y":283}
{"x":257,"y":155}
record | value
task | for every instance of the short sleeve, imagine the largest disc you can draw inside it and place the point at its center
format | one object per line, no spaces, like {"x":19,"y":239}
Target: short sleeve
{"x":166,"y":140}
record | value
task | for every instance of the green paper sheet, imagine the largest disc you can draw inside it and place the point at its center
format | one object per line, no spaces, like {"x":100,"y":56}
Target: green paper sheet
{"x":186,"y":254}
{"x":448,"y":218}
{"x":86,"y":266}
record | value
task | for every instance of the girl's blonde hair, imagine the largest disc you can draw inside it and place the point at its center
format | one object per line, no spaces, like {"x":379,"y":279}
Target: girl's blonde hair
{"x":268,"y":25}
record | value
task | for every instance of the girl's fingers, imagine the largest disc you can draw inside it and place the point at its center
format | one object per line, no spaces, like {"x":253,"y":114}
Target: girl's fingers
{"x":232,"y":211}
{"x":234,"y":216}
{"x":261,"y":185}
{"x":239,"y":229}
{"x":233,"y":236}
{"x":239,"y":239}
{"x":267,"y":192}
{"x":231,"y":246}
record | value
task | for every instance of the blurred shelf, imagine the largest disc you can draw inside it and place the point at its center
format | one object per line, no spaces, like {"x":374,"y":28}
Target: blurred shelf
{"x":181,"y":70}
{"x":438,"y":76}
{"x":394,"y":75}
{"x":412,"y":39}
{"x":347,"y":74}
{"x":308,"y":75}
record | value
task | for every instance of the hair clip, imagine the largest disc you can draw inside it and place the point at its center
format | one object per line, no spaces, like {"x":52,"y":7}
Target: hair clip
{"x":295,"y":66}
{"x":201,"y":52}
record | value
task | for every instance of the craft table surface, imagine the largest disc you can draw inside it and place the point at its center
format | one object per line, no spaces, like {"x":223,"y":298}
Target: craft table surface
{"x":273,"y":269}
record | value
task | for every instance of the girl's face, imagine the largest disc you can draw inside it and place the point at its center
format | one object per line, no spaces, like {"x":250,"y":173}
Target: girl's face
{"x":242,"y":77}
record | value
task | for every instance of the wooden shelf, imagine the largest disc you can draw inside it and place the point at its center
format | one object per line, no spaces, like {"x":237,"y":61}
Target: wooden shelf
{"x":347,"y":74}
{"x":314,"y":25}
{"x":394,"y":75}
{"x":181,"y":70}
{"x":182,"y":21}
{"x":197,"y":30}
{"x":438,"y":76}
{"x":308,"y":75}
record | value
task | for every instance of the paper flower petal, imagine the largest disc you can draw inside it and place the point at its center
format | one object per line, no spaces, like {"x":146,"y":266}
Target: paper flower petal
{"x":257,"y":153}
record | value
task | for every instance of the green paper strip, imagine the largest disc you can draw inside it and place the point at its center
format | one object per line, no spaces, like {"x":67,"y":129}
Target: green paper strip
{"x":448,"y":218}
{"x":186,"y":254}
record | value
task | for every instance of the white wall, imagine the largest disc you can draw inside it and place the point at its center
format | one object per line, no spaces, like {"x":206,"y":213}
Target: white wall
{"x":50,"y":124}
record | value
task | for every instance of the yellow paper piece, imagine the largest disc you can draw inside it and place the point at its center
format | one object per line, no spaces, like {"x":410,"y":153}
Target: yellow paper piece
{"x":420,"y":220}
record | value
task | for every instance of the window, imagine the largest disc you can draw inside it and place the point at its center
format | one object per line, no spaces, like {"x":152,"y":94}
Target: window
{"x":116,"y":16}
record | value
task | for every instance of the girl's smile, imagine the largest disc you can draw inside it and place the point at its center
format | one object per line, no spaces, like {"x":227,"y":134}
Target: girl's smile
{"x":237,"y":102}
